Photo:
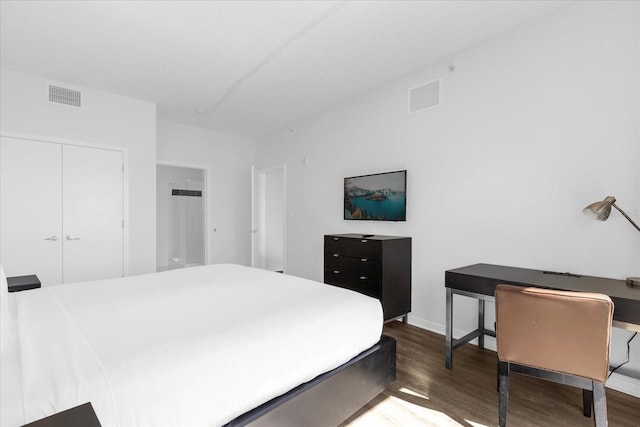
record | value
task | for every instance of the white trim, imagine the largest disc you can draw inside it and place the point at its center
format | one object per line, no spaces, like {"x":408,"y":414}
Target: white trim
{"x":254,"y":216}
{"x":284,"y":219}
{"x":126,"y":228}
{"x":125,"y":179}
{"x":206,"y":206}
{"x":17,"y":135}
{"x":257,"y":178}
{"x":624,"y":384}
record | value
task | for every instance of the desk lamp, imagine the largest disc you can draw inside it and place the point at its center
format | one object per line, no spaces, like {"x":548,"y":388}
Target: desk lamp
{"x":600,"y":211}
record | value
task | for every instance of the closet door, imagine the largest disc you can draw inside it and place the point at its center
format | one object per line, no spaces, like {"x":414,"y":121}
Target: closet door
{"x":93,"y":213}
{"x":31,"y":209}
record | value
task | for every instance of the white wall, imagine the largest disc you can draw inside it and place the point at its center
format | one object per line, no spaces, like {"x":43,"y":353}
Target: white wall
{"x":105,"y":119}
{"x":229,"y":159}
{"x":534,"y":125}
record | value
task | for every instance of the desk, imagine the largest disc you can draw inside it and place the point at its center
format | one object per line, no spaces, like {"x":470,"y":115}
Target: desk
{"x":479,"y":281}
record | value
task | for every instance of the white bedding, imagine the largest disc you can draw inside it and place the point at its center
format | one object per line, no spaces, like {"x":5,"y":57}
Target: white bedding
{"x":197,"y":346}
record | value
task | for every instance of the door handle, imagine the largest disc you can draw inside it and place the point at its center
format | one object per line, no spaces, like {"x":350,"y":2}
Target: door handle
{"x":70,"y":237}
{"x":52,"y":238}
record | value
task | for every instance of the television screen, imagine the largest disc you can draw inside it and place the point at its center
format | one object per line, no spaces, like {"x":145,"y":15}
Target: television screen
{"x":380,"y":196}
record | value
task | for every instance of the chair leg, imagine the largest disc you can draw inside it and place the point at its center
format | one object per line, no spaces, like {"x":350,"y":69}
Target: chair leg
{"x":600,"y":404}
{"x":503,"y":373}
{"x":587,"y":402}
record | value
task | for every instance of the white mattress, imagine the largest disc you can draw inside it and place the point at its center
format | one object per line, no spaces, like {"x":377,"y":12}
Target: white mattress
{"x":196,"y":346}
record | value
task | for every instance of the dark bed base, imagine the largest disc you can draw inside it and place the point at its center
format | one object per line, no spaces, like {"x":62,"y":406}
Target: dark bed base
{"x":332,"y":397}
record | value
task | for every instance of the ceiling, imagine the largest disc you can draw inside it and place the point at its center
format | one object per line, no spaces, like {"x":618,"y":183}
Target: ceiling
{"x":244,"y":67}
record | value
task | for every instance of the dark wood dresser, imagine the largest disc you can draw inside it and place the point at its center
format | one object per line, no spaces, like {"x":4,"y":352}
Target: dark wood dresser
{"x":378,"y":266}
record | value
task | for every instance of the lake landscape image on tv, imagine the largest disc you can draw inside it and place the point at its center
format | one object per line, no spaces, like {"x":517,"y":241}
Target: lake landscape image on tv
{"x":376,"y":197}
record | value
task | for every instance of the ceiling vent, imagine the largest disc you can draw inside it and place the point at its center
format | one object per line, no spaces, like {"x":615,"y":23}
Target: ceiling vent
{"x":424,"y":97}
{"x":62,"y":95}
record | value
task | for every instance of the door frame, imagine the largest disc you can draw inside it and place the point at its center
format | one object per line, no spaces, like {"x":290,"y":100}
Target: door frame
{"x":125,"y":179}
{"x":206,"y":208}
{"x":257,"y":210}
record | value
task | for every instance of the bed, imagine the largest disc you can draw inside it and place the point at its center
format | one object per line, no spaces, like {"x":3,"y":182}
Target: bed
{"x":211,"y":345}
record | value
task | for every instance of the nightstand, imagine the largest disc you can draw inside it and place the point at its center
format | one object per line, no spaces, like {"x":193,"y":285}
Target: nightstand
{"x":23,"y":283}
{"x":80,"y":416}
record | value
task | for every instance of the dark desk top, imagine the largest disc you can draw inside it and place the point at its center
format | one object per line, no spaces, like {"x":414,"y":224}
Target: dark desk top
{"x":367,"y":236}
{"x":483,"y":278}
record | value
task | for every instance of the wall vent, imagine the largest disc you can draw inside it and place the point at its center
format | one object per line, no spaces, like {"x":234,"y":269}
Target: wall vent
{"x":62,"y":95}
{"x":424,"y":96}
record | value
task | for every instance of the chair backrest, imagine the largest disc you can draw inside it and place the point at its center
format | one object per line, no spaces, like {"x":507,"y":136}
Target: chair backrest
{"x":561,"y":331}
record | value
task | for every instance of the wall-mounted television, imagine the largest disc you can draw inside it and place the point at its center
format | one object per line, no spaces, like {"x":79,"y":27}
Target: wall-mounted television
{"x":378,"y":197}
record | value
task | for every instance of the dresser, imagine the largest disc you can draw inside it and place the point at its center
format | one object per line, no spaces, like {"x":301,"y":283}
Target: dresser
{"x":378,"y":266}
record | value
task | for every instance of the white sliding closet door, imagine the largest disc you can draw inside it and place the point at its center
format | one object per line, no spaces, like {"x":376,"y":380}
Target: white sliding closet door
{"x":31,"y":208}
{"x":93,"y":213}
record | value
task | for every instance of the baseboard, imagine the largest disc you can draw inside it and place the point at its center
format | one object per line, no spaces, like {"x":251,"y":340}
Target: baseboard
{"x":627,"y":384}
{"x":624,"y":383}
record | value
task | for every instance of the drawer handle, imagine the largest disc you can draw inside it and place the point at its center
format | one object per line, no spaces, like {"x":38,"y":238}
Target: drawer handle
{"x":364,"y":259}
{"x":363,"y":277}
{"x":336,"y":255}
{"x":336,"y":271}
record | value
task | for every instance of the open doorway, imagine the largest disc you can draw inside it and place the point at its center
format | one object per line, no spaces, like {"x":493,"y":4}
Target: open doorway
{"x":180,"y":217}
{"x":268,"y":219}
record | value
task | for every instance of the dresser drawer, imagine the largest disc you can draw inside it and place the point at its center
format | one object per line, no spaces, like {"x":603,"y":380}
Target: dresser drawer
{"x":355,"y":267}
{"x":358,"y":248}
{"x":340,"y":259}
{"x":363,"y":283}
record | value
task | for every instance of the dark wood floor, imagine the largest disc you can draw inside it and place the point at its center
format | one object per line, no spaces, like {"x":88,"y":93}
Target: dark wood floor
{"x":425,"y":393}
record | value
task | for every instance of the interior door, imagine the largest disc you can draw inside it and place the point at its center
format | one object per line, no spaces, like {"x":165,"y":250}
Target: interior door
{"x":268,"y":218}
{"x":274,"y":220}
{"x":31,"y":209}
{"x":93,"y":213}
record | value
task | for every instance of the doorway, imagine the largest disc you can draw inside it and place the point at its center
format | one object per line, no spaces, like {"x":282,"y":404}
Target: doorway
{"x":268,"y":232}
{"x":180,"y":216}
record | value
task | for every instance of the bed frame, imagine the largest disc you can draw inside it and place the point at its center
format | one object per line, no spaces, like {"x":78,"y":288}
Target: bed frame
{"x":332,"y":397}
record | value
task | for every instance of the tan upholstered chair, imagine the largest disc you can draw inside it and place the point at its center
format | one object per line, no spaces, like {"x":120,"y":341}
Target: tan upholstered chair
{"x":556,"y":335}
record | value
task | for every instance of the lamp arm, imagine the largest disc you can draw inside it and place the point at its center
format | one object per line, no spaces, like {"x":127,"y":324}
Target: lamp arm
{"x":626,"y":216}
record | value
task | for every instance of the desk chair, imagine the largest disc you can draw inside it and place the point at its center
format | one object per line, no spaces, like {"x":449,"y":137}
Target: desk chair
{"x":560,"y":336}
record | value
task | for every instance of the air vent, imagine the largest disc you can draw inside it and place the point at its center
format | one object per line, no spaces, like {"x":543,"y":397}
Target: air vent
{"x":424,"y":96}
{"x":62,"y":95}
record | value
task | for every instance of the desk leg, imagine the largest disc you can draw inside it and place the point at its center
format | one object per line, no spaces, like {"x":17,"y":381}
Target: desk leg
{"x":448,"y":352}
{"x":481,"y":323}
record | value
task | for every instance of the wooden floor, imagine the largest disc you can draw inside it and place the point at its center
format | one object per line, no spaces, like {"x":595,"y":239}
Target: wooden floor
{"x":425,"y":393}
